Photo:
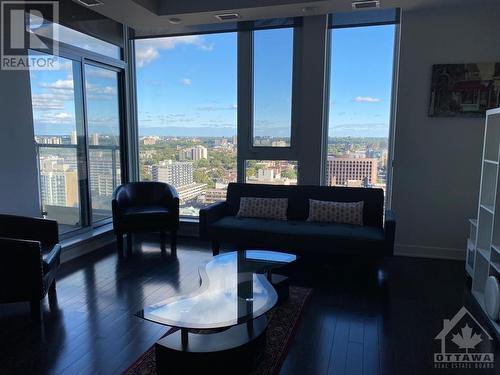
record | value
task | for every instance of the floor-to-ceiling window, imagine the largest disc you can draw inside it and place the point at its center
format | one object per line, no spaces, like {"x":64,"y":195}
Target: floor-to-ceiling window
{"x":269,"y":153}
{"x":56,"y":128}
{"x":272,"y":87}
{"x":187,"y":105}
{"x":103,"y":137}
{"x":77,"y":119}
{"x":187,"y":114}
{"x":362,"y":65}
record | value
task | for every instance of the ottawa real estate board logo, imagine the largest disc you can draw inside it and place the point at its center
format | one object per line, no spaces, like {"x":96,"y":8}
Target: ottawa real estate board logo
{"x":464,"y":344}
{"x":29,"y":35}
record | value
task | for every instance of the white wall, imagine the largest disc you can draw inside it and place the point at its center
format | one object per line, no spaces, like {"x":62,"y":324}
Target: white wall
{"x":438,"y":160}
{"x":18,"y":171}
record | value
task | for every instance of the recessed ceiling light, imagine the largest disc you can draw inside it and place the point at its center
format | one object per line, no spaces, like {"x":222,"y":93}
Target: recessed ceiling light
{"x":365,"y":4}
{"x":227,"y":16}
{"x":174,"y":20}
{"x":308,"y":9}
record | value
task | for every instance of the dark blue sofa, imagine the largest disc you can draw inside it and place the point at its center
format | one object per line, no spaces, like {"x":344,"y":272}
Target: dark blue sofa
{"x":218,"y":222}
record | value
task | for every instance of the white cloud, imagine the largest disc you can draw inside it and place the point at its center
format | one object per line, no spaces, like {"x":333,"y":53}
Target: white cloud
{"x":101,"y":73}
{"x":100,"y":92}
{"x":60,"y":84}
{"x":366,"y":99}
{"x":185,"y":81}
{"x":51,"y":101}
{"x":54,"y":118}
{"x":145,"y":55}
{"x":147,"y":50}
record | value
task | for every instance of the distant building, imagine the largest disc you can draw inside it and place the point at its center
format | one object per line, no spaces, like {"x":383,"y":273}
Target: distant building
{"x":94,"y":139}
{"x":278,"y":144}
{"x":58,"y":182}
{"x":74,"y":138}
{"x":104,"y":174}
{"x":221,"y":142}
{"x":190,"y":192}
{"x":215,"y":195}
{"x":267,"y":175}
{"x":351,"y":171}
{"x":49,"y":140}
{"x":176,"y":173}
{"x":150,"y":141}
{"x":193,"y":153}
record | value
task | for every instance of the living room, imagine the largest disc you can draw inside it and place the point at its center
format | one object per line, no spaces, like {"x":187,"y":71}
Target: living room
{"x":250,"y":187}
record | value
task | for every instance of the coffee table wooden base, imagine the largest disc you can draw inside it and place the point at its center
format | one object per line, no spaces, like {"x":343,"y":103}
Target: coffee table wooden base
{"x":230,"y":351}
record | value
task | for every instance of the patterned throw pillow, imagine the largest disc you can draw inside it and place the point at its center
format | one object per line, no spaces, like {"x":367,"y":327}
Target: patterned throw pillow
{"x":266,"y":208}
{"x":336,"y":212}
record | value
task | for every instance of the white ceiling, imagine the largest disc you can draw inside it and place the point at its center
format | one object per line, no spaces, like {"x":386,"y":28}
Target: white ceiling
{"x":143,"y":15}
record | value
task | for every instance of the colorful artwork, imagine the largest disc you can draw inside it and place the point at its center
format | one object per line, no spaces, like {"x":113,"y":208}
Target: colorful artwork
{"x":464,"y":90}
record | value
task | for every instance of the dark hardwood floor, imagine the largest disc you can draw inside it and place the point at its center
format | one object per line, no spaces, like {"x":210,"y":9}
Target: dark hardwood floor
{"x":358,"y":321}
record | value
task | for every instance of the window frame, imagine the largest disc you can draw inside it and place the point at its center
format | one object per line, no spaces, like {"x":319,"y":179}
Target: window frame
{"x":388,"y":17}
{"x":246,"y":148}
{"x":85,"y":57}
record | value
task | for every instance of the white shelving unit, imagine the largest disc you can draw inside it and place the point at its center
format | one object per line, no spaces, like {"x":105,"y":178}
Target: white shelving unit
{"x":483,"y":244}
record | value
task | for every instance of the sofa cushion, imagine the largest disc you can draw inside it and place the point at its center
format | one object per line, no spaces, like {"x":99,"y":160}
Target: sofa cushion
{"x":268,"y":208}
{"x":139,"y":215}
{"x":336,"y":212}
{"x":231,"y":228}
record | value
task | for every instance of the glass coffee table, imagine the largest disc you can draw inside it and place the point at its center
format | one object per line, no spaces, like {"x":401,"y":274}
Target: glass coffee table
{"x":221,"y":325}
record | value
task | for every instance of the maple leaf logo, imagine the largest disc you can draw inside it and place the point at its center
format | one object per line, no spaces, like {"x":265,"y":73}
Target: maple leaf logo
{"x":466,"y":340}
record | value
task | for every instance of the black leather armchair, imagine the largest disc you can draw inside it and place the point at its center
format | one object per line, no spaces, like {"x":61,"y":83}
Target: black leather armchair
{"x":30,"y":254}
{"x":146,"y":207}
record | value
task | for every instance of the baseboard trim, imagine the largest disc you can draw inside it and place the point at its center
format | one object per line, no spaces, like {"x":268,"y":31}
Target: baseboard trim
{"x":78,"y":247}
{"x":429,"y":252}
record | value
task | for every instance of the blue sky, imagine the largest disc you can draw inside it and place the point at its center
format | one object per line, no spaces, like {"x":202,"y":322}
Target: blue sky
{"x":53,"y":98}
{"x":361,"y":81}
{"x":187,"y":86}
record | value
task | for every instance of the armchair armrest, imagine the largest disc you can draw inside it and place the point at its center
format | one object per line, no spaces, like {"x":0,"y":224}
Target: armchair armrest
{"x":390,"y":230}
{"x":209,"y":215}
{"x":21,"y":270}
{"x":173,"y":202}
{"x":173,"y":193}
{"x":29,"y":228}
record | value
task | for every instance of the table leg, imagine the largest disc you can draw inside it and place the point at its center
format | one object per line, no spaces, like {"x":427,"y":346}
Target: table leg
{"x":184,"y":338}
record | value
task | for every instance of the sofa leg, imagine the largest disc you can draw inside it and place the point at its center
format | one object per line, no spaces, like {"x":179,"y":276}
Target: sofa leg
{"x":119,"y":244}
{"x":215,"y":248}
{"x":36,"y":310}
{"x":162,"y":241}
{"x":173,"y":243}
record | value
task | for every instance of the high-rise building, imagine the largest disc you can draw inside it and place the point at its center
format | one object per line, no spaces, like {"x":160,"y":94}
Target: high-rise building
{"x":177,"y":173}
{"x":94,"y":139}
{"x":199,"y":152}
{"x":349,"y":171}
{"x":104,"y":175}
{"x":74,"y":137}
{"x":193,"y":153}
{"x":58,"y":182}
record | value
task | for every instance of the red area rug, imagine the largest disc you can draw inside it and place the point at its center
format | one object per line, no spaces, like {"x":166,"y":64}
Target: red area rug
{"x":283,"y":322}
